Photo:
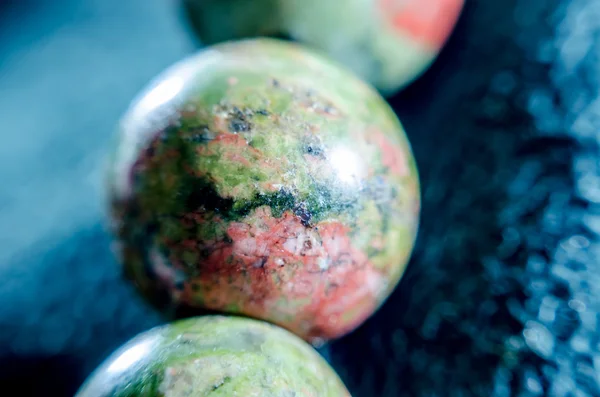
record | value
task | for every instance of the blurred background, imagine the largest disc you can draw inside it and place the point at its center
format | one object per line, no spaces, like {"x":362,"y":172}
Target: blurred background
{"x":502,"y":294}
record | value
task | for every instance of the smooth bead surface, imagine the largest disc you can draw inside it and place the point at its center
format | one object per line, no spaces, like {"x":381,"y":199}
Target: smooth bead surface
{"x":214,"y":356}
{"x":259,"y":178}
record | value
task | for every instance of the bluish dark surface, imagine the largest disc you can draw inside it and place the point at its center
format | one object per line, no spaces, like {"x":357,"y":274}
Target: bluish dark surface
{"x":502,"y":295}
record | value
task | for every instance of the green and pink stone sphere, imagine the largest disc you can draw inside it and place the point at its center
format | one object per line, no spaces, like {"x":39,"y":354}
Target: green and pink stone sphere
{"x":214,"y":356}
{"x":388,"y":43}
{"x":258,"y":178}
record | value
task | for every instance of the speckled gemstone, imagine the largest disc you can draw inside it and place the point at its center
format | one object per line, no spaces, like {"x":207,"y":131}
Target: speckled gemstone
{"x":214,"y":356}
{"x":386,"y":42}
{"x":260,"y":178}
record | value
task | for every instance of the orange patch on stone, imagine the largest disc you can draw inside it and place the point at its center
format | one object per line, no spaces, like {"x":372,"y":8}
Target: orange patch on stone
{"x":392,"y":156}
{"x":305,"y":279}
{"x":429,"y":22}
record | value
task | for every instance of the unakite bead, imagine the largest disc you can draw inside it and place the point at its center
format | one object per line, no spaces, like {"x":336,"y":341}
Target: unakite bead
{"x":260,"y":178}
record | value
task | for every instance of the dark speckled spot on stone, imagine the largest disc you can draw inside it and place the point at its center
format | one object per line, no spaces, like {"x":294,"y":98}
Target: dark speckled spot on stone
{"x":302,"y":212}
{"x":239,"y":121}
{"x":260,"y":263}
{"x":201,"y":135}
{"x":221,"y":383}
{"x":314,"y":150}
{"x":204,"y":196}
{"x":313,"y":145}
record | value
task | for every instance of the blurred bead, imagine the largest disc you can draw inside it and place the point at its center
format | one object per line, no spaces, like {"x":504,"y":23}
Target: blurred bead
{"x":214,"y":355}
{"x":386,"y":42}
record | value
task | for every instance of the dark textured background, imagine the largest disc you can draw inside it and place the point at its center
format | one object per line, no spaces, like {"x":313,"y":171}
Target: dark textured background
{"x":502,"y":295}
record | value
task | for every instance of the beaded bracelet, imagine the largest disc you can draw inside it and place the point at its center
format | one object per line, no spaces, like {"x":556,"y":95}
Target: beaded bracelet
{"x":271,"y":180}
